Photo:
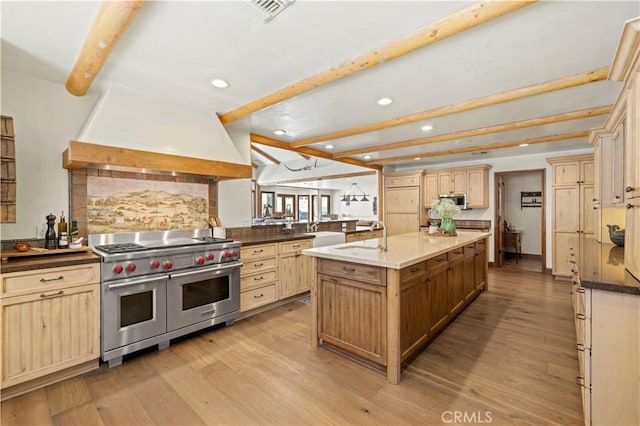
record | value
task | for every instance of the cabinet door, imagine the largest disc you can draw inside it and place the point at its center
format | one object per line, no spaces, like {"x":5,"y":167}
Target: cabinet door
{"x":566,"y":209}
{"x":617,"y":161}
{"x":469,"y":271}
{"x":287,"y":283}
{"x":632,"y":140}
{"x":562,"y":243}
{"x":42,"y":335}
{"x":304,"y":272}
{"x":438,"y":297}
{"x":477,"y":191}
{"x":414,"y":313}
{"x":430,"y":189}
{"x":587,"y":172}
{"x":444,"y":183}
{"x":632,"y":238}
{"x":459,"y":182}
{"x":402,"y":223}
{"x":456,"y":283}
{"x":587,"y":216}
{"x":402,"y":200}
{"x":566,"y":173}
{"x":480,"y":264}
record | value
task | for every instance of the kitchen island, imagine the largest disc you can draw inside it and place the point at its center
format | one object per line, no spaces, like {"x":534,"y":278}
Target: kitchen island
{"x":382,"y":307}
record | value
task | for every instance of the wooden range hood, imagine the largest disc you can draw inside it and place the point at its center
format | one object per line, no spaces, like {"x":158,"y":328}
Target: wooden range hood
{"x":82,"y":154}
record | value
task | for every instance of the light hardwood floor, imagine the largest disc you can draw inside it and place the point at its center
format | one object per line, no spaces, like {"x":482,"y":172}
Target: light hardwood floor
{"x":509,"y":358}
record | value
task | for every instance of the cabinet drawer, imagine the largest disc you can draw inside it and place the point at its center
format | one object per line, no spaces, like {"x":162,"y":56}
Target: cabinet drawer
{"x":436,"y":261}
{"x":257,"y":280}
{"x":294,"y":246}
{"x":259,"y":265}
{"x":257,"y":297}
{"x":402,"y":181}
{"x":257,"y":252}
{"x":412,"y":271}
{"x":25,"y":282}
{"x":470,"y":248}
{"x":455,"y":253}
{"x":354,"y":271}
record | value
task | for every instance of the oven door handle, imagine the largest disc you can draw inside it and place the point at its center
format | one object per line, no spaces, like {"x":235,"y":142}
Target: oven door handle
{"x":135,"y":282}
{"x":226,"y":267}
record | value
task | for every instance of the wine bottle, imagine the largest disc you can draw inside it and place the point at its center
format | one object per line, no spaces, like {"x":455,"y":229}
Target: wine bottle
{"x":63,"y":236}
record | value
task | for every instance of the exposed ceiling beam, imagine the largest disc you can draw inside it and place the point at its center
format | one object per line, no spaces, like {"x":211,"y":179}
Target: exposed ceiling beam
{"x":488,"y":147}
{"x":315,"y":179}
{"x":264,"y":154}
{"x":305,"y":156}
{"x":498,"y":98}
{"x":575,"y":115}
{"x":455,"y":23}
{"x":108,"y":27}
{"x":284,"y":145}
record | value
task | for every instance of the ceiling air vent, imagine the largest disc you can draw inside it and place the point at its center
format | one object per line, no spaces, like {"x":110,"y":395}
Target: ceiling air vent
{"x":479,"y":152}
{"x":266,"y":9}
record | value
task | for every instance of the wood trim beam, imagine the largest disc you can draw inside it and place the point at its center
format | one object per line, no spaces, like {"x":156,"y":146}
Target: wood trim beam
{"x":81,"y":154}
{"x":488,"y":147}
{"x":598,"y":74}
{"x":314,"y":179}
{"x":112,"y":21}
{"x":315,"y":153}
{"x":458,"y":22}
{"x":305,"y":156}
{"x":264,"y":154}
{"x":516,"y":125}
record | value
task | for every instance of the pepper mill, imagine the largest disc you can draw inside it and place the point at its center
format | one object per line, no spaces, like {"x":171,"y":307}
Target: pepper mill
{"x":50,"y":235}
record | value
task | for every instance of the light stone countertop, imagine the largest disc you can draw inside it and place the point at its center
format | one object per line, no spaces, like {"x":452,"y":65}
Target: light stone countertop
{"x":404,"y":250}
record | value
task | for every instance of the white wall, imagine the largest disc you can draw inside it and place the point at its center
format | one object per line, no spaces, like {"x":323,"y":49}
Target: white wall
{"x":527,"y":219}
{"x":46,"y":117}
{"x":356,"y":209}
{"x":510,"y":164}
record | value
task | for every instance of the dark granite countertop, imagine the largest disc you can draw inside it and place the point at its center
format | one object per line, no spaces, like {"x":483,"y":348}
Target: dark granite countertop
{"x":275,"y":238}
{"x":43,"y":261}
{"x":601,"y":267}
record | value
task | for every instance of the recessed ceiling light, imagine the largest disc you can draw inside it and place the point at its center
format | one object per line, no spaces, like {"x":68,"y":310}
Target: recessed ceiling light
{"x":427,"y":127}
{"x":219,"y":83}
{"x":384,"y":101}
{"x":329,"y":146}
{"x":367,"y":157}
{"x":417,"y":158}
{"x":280,"y":132}
{"x":524,"y":144}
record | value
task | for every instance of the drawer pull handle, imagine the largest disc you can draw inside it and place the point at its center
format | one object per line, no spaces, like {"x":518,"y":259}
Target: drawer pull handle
{"x":580,"y":347}
{"x":46,"y":280}
{"x":44,"y":296}
{"x":257,"y":265}
{"x":630,"y":206}
{"x":580,"y":290}
{"x":476,"y":254}
{"x":344,"y":268}
{"x":628,"y":189}
{"x":258,"y":296}
{"x":295,"y":245}
{"x":414,"y":270}
{"x":440,"y":259}
{"x":209,"y":312}
{"x":257,"y":251}
{"x":260,"y":278}
{"x":581,"y":317}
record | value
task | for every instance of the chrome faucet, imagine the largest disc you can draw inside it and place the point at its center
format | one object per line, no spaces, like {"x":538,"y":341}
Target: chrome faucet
{"x":374,"y":226}
{"x":312,"y":227}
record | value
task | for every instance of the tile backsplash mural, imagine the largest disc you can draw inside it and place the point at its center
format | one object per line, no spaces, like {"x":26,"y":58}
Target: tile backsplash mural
{"x":132,"y":205}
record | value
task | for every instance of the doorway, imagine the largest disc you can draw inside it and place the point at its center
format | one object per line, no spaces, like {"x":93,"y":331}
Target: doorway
{"x":520,"y":226}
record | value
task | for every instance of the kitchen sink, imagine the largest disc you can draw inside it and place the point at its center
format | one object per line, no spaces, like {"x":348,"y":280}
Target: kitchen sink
{"x":327,"y":238}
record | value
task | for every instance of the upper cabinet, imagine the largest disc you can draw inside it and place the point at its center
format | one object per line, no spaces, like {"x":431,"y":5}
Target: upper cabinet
{"x":473,"y":181}
{"x":579,"y":171}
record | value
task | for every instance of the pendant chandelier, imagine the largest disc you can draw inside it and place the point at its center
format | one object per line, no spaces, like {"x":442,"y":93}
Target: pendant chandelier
{"x":350,"y":195}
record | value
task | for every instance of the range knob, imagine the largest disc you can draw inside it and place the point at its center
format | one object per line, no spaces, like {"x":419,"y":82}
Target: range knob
{"x":235,"y":253}
{"x":210,"y":256}
{"x":131,"y":267}
{"x":168,"y":264}
{"x":200,"y":260}
{"x":155,"y":264}
{"x":118,"y":269}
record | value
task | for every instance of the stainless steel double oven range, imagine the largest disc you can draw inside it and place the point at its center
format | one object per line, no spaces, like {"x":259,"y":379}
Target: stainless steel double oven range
{"x":160,"y":285}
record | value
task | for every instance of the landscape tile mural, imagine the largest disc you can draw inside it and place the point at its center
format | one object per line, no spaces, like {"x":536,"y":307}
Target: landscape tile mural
{"x":132,"y":205}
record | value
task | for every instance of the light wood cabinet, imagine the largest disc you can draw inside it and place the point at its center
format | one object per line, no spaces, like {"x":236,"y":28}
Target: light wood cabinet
{"x":456,"y":280}
{"x":258,"y":276}
{"x":415,"y":315}
{"x":402,"y":209}
{"x":364,"y":235}
{"x":478,"y":188}
{"x":573,"y":214}
{"x":430,"y":189}
{"x":481,"y":265}
{"x":294,"y":268}
{"x":50,"y":323}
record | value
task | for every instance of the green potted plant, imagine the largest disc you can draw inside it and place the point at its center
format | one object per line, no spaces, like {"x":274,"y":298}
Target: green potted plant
{"x":446,"y":210}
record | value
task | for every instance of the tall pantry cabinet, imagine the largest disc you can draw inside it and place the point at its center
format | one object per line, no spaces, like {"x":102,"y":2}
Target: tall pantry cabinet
{"x":402,"y":202}
{"x":573,"y":214}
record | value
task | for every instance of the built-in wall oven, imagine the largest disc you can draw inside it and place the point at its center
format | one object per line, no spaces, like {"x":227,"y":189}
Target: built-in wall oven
{"x":153,"y":291}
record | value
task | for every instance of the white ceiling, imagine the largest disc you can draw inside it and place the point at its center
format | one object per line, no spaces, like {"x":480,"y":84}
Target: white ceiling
{"x":173,"y":49}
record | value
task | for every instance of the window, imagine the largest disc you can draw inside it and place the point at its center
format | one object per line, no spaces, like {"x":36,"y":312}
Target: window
{"x":286,"y":204}
{"x":325,"y":207}
{"x":303,"y":207}
{"x":266,"y":202}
